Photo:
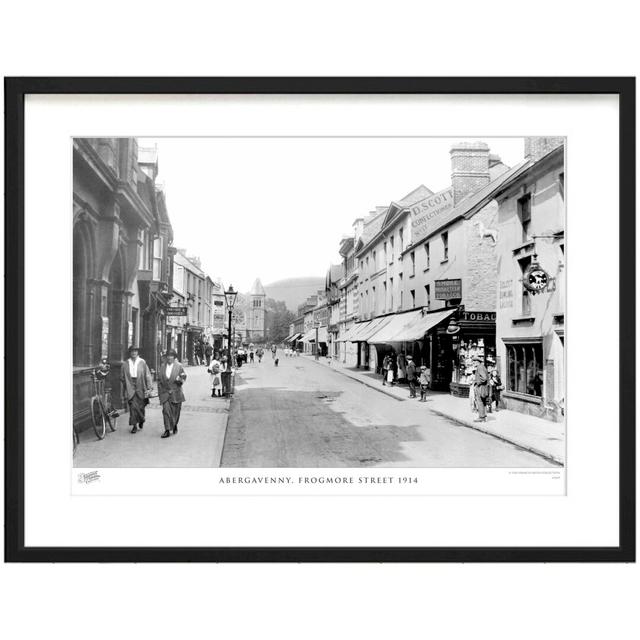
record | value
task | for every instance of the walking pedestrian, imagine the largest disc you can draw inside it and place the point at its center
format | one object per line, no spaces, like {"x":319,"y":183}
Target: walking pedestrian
{"x":481,"y":389}
{"x":251,"y":356}
{"x":208,"y":352}
{"x":273,"y":351}
{"x":495,"y":384}
{"x":386,"y":361}
{"x":411,"y":376}
{"x":260,"y":353}
{"x":425,"y":381}
{"x":135,"y":378}
{"x":216,"y":379}
{"x":402,"y":368}
{"x":170,"y":393}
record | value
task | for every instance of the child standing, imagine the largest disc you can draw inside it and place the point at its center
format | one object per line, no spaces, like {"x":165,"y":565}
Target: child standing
{"x":425,"y":381}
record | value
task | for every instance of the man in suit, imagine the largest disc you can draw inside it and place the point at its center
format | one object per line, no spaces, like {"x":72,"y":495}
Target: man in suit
{"x":410,"y":369}
{"x":482,"y":389}
{"x":170,"y":394}
{"x":136,"y":388}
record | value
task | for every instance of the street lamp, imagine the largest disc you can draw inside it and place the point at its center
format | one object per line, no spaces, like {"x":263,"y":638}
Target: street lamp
{"x":230,"y":297}
{"x":317,"y":325}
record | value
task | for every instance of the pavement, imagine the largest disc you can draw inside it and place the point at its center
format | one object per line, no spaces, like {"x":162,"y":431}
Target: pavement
{"x":300,"y":414}
{"x":198,"y":442}
{"x":541,"y":437}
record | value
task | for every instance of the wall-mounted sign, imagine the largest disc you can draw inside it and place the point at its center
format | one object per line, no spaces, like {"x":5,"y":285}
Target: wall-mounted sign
{"x":535,"y":278}
{"x":449,"y":289}
{"x":506,"y":294}
{"x":176,"y":311}
{"x":426,"y":213}
{"x":478,"y":316}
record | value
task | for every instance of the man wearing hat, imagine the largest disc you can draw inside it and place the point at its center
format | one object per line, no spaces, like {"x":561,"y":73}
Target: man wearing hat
{"x":170,"y":394}
{"x":482,"y":389}
{"x":136,"y":387}
{"x":410,"y":369}
{"x":424,"y":380}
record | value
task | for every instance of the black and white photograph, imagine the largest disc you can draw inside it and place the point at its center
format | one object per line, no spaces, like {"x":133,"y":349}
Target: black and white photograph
{"x":318,"y":302}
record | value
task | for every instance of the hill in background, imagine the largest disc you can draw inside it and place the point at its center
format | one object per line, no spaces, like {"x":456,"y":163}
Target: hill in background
{"x":294,"y":291}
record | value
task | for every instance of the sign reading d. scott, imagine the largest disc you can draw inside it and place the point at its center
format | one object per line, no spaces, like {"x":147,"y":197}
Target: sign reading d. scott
{"x":425,"y":214}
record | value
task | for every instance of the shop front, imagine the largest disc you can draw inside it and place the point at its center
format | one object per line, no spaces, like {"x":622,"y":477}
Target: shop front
{"x":471,"y":334}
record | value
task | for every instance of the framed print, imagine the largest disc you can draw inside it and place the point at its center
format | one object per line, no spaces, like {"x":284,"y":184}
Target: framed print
{"x":320,"y":319}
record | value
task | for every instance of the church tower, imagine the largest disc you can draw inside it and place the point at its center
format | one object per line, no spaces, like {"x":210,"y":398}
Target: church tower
{"x":256,"y":312}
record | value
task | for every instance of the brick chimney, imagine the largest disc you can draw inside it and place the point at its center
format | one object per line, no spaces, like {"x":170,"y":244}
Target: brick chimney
{"x":469,"y":168}
{"x":535,"y":147}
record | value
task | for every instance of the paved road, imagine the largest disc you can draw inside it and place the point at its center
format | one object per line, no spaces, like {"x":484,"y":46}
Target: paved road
{"x":301,"y":414}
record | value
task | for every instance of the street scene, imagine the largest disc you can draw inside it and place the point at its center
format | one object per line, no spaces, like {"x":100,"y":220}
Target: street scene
{"x":424,"y":332}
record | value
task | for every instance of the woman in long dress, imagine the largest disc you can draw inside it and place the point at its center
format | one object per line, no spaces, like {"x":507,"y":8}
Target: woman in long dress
{"x":215,"y":369}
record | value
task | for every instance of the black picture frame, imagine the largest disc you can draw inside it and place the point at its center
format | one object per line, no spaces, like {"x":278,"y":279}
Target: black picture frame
{"x":15,"y":91}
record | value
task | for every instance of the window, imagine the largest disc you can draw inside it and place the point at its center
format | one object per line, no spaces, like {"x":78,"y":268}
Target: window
{"x":178,"y":278}
{"x":445,"y":246}
{"x":391,"y":293}
{"x":401,"y":239}
{"x":401,"y":298}
{"x":413,"y":298}
{"x":373,"y":259}
{"x":413,"y":263}
{"x":427,"y":256}
{"x":524,"y":213}
{"x":385,"y":253}
{"x":384,"y":284}
{"x":143,"y":250}
{"x":157,"y":258}
{"x":367,"y":262}
{"x":427,"y":293}
{"x":526,"y":295}
{"x":391,"y":241}
{"x":373,"y":295}
{"x":524,"y":368}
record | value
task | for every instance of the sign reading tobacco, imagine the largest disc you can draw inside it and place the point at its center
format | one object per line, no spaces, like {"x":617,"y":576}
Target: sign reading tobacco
{"x":176,"y":311}
{"x":449,"y":289}
{"x":425,"y":214}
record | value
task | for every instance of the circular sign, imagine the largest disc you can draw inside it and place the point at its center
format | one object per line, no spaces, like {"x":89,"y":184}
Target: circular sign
{"x":535,"y":278}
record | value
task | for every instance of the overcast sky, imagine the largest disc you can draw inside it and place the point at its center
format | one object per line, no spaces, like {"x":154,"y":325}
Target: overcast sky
{"x":276,"y":208}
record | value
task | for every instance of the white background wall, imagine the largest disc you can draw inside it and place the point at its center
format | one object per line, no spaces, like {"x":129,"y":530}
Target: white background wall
{"x":256,"y":601}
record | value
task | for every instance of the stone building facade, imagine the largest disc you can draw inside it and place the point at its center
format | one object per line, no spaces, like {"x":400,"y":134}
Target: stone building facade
{"x":121,"y":260}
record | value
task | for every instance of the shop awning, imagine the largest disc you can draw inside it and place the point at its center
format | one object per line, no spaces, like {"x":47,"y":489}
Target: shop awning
{"x":353,"y":331}
{"x":422,"y":325}
{"x":388,"y":332}
{"x":294,"y":337}
{"x":374,"y":326}
{"x":309,"y":336}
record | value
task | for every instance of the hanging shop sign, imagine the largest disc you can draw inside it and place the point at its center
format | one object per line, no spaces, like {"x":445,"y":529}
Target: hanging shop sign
{"x":449,"y":289}
{"x":176,"y":311}
{"x":535,"y":278}
{"x":426,"y":214}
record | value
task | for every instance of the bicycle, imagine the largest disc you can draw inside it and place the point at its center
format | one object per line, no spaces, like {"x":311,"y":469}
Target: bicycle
{"x":102,"y":411}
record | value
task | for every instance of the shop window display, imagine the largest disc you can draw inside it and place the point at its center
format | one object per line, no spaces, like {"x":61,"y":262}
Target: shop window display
{"x":468,"y":349}
{"x":524,"y":369}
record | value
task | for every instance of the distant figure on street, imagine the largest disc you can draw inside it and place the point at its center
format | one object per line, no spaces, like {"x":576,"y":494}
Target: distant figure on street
{"x":215,"y":370}
{"x":424,"y":380}
{"x":386,"y":363}
{"x":136,"y":388}
{"x":276,"y":361}
{"x":260,"y":353}
{"x":170,"y":394}
{"x":273,"y":350}
{"x":402,"y":368}
{"x":251,"y":355}
{"x":495,"y":385}
{"x":208,"y":352}
{"x":481,"y":389}
{"x":411,"y":376}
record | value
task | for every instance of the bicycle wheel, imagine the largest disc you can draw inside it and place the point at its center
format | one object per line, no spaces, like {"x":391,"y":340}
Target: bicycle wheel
{"x":111,"y":417}
{"x":97,"y":417}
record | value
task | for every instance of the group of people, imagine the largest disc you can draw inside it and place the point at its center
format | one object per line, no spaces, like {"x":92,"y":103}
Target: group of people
{"x":137,"y":387}
{"x":396,"y":370}
{"x":202,"y":351}
{"x":290,"y":353}
{"x":485,"y":390}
